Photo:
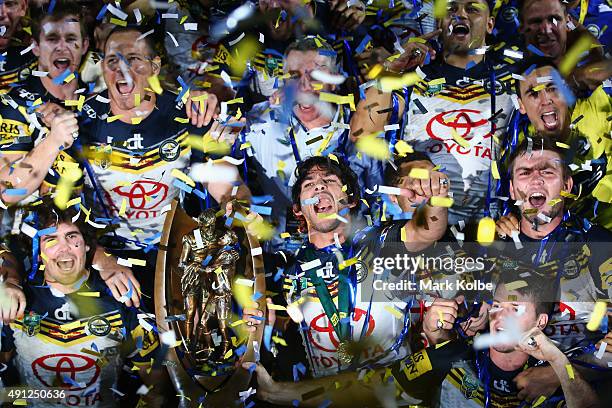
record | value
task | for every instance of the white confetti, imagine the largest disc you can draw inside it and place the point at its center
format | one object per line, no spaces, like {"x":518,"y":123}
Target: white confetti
{"x":116,"y":12}
{"x":601,"y":351}
{"x":240,"y":37}
{"x":169,"y":15}
{"x":172,"y":38}
{"x":256,"y":251}
{"x":389,"y":190}
{"x":327,"y":78}
{"x":26,"y":50}
{"x":513,"y":54}
{"x":40,"y":74}
{"x":310,"y":265}
{"x":391,"y":127}
{"x":138,"y":15}
{"x":191,"y":26}
{"x":145,"y":34}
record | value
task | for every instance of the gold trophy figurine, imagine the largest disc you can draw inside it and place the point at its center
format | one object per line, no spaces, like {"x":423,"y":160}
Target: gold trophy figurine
{"x":206,"y":288}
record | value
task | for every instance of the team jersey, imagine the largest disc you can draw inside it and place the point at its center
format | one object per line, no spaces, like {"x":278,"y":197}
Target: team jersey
{"x":15,"y":66}
{"x":597,"y":19}
{"x":373,"y":327}
{"x":575,"y":259}
{"x":450,"y":118}
{"x":447,"y":376}
{"x":77,"y":342}
{"x":133,"y":164}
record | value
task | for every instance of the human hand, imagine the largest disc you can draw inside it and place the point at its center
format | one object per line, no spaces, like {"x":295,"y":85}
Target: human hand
{"x":254,"y":316}
{"x":12,"y":302}
{"x":506,"y":225}
{"x":347,"y":15}
{"x":535,"y":382}
{"x":439,"y":319}
{"x":63,"y":128}
{"x":201,"y":107}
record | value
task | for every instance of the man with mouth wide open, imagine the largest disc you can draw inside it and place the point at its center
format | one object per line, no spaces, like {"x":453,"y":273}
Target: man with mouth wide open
{"x":453,"y":114}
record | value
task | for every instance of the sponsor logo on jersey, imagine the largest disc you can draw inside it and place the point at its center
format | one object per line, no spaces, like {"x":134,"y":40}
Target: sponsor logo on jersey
{"x":73,"y":372}
{"x":143,"y":194}
{"x":462,"y":121}
{"x":11,"y":129}
{"x":329,"y":332}
{"x":417,"y":364}
{"x":594,"y":29}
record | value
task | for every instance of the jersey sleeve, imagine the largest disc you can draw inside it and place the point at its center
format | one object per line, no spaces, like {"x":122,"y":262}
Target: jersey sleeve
{"x":7,"y":341}
{"x":16,"y":136}
{"x":420,"y":373}
{"x":142,"y":334}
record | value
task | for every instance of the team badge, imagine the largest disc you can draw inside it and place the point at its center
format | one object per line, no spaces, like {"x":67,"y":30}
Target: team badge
{"x":99,"y":326}
{"x":469,"y":386}
{"x":24,"y":73}
{"x":594,"y":29}
{"x":571,"y":269}
{"x":361,"y":270}
{"x":31,"y":324}
{"x":433,"y":89}
{"x":169,"y":150}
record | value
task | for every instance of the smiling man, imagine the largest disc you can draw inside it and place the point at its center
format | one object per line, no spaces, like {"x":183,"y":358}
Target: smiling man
{"x":70,"y":321}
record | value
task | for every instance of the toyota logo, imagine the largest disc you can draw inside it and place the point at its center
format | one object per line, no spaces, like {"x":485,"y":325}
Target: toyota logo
{"x":464,"y":121}
{"x":52,"y":369}
{"x":138,"y":192}
{"x":329,"y":329}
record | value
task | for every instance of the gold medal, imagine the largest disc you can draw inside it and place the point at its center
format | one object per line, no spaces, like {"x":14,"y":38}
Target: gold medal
{"x":344,"y":354}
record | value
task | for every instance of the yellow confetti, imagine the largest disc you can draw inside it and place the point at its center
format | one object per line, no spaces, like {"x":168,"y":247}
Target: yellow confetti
{"x":136,"y":120}
{"x":437,"y":81}
{"x":539,"y":401}
{"x":183,"y":177}
{"x":599,"y":311}
{"x":51,"y":243}
{"x":338,"y":99}
{"x":137,"y":99}
{"x":65,"y":186}
{"x":279,"y":340}
{"x":403,"y":148}
{"x":462,"y":142}
{"x":396,"y":313}
{"x":438,"y":345}
{"x":89,"y":294}
{"x":554,"y":202}
{"x":422,"y":174}
{"x":69,"y":78}
{"x":228,"y":354}
{"x":123,"y":207}
{"x":118,"y":22}
{"x":111,"y":119}
{"x":333,"y":157}
{"x":440,"y":9}
{"x":562,"y":145}
{"x":154,"y":84}
{"x":237,"y":323}
{"x":391,"y":83}
{"x":347,"y":263}
{"x":374,"y":147}
{"x":570,"y":371}
{"x":403,"y":235}
{"x":20,"y":401}
{"x":515,"y":285}
{"x":74,"y":201}
{"x":494,"y":170}
{"x":284,"y":235}
{"x":486,"y":231}
{"x":441,"y":201}
{"x":272,"y":306}
{"x":137,"y":262}
{"x":574,"y":54}
{"x":375,"y":71}
{"x":567,"y":195}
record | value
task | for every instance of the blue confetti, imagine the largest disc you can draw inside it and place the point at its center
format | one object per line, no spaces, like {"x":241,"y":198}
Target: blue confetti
{"x":240,"y":350}
{"x":207,"y":260}
{"x":261,"y":199}
{"x":261,"y":209}
{"x":60,"y":79}
{"x":183,"y":186}
{"x":363,"y":44}
{"x":256,"y":296}
{"x":267,"y":337}
{"x":534,"y":50}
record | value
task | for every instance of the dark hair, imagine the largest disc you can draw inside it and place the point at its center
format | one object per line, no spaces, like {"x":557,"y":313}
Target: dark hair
{"x":539,"y":144}
{"x":50,"y":215}
{"x":61,"y":10}
{"x":394,"y":174}
{"x":521,"y":7}
{"x":340,"y":168}
{"x":531,"y":63}
{"x":150,"y":39}
{"x":539,"y":289}
{"x":312,"y":43}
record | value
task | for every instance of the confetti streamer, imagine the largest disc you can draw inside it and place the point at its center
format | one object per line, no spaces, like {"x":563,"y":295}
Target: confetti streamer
{"x":599,"y":312}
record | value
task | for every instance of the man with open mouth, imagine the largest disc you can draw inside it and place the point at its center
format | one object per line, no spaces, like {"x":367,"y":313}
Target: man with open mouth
{"x":452,"y":113}
{"x":563,"y":248}
{"x":34,"y":159}
{"x":77,"y":325}
{"x":583,"y":127}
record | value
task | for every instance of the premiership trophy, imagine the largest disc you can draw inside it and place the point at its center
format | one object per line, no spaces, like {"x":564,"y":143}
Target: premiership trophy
{"x":198,"y":264}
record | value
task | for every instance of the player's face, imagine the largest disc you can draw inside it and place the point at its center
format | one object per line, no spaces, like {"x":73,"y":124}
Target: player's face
{"x":61,"y":46}
{"x":465,"y":26}
{"x":544,"y":26}
{"x":11,"y":11}
{"x":327,"y":187}
{"x":64,"y":254}
{"x":543,"y":103}
{"x":301,"y":64}
{"x":126,"y":67}
{"x":511,"y":312}
{"x":537,"y":180}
